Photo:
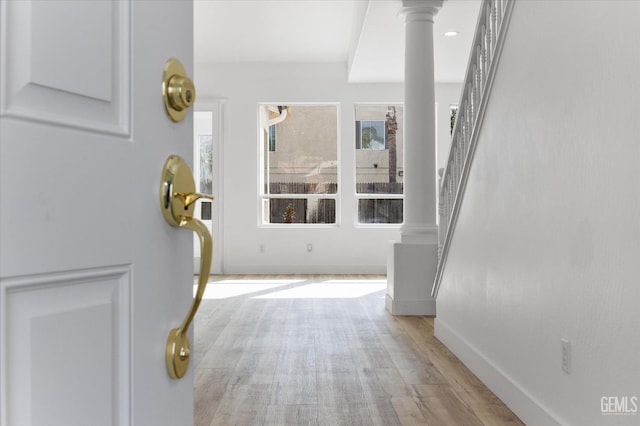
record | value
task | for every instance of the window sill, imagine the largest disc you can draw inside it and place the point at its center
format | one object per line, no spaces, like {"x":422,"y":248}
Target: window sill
{"x":298,"y":226}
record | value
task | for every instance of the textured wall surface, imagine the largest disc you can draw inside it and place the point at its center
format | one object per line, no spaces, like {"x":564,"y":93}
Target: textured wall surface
{"x":547,"y":244}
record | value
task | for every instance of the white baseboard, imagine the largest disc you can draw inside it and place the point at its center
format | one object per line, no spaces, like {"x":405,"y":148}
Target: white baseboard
{"x":524,"y":405}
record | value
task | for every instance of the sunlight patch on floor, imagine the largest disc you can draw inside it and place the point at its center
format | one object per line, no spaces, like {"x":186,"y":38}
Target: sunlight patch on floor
{"x":293,"y":288}
{"x":333,"y":289}
{"x":232,"y":288}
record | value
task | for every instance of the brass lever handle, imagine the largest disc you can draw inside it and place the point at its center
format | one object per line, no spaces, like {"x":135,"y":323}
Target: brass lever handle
{"x":189,"y":199}
{"x":178,"y":349}
{"x":177,"y":198}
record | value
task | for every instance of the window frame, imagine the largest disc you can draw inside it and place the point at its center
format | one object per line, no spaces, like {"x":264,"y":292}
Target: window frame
{"x":263,"y":211}
{"x":372,"y":196}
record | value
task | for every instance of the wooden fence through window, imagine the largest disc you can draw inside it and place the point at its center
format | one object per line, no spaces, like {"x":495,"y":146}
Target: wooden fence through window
{"x":323,"y":210}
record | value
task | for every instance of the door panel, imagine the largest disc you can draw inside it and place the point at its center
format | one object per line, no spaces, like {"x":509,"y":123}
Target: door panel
{"x":60,"y":69}
{"x":58,"y":305}
{"x":91,"y":277}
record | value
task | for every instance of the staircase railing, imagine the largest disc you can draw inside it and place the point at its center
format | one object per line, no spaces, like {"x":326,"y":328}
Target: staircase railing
{"x":492,"y":23}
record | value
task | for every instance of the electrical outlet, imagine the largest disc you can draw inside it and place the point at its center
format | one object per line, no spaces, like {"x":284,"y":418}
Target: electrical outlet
{"x":566,"y":355}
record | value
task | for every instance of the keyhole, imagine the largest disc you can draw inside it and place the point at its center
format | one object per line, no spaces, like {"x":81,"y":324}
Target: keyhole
{"x":188,"y":96}
{"x":183,"y":354}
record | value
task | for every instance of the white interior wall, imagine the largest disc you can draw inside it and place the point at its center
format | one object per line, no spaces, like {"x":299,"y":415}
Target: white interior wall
{"x":547,"y":244}
{"x":346,"y":248}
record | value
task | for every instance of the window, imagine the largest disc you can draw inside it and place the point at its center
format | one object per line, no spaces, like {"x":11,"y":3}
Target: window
{"x":272,"y":138}
{"x":206,"y":173}
{"x":379,"y":166}
{"x":299,"y":180}
{"x":453,"y":111}
{"x":371,"y":134}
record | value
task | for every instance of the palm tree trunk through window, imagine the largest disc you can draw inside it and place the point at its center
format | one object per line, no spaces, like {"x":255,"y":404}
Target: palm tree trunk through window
{"x":392,"y":127}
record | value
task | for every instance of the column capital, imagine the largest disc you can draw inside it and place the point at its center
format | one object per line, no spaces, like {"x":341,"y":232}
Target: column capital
{"x":420,"y":10}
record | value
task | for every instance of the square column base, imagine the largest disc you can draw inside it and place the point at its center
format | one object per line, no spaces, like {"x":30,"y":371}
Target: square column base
{"x":411,"y":271}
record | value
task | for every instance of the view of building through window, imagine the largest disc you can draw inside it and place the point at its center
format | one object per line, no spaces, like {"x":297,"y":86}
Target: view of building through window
{"x":299,"y":178}
{"x":206,"y":173}
{"x":371,"y":134}
{"x":379,"y":167}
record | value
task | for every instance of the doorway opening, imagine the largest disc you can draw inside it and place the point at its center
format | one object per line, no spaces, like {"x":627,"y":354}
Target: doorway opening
{"x":207,"y":172}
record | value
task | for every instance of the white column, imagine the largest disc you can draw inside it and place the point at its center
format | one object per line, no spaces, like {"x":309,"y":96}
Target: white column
{"x":412,"y":262}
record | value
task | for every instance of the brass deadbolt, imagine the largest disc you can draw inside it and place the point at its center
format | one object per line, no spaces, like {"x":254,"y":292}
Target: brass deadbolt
{"x":178,"y":90}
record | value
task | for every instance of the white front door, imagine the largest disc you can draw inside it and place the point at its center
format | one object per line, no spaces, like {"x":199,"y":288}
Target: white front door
{"x":92,"y":278}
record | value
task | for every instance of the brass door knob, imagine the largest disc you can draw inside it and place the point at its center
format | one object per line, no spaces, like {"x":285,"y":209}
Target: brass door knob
{"x":177,"y":202}
{"x":178,"y":90}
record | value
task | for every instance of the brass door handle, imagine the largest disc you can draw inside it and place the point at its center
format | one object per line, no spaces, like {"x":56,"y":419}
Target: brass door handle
{"x":178,"y":90}
{"x":177,"y":202}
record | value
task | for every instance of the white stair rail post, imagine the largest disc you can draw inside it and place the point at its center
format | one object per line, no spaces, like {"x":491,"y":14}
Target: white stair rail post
{"x":442,"y":224}
{"x":412,"y":262}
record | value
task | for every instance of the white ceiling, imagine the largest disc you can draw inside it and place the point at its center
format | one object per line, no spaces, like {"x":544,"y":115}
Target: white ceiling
{"x":366,"y":34}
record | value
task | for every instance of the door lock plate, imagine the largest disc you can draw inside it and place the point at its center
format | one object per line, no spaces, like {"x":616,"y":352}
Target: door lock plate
{"x":178,"y":90}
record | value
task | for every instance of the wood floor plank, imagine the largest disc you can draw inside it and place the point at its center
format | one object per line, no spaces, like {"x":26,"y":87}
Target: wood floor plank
{"x":294,"y":387}
{"x":440,"y":405}
{"x":243,"y":405}
{"x":334,"y":362}
{"x":209,"y":389}
{"x":383,"y":384}
{"x":408,"y":411}
{"x":426,"y":374}
{"x":368,"y":351}
{"x":383,"y":413}
{"x":344,"y":414}
{"x":341,"y":386}
{"x":259,"y":357}
{"x":282,"y":415}
{"x":225,"y":353}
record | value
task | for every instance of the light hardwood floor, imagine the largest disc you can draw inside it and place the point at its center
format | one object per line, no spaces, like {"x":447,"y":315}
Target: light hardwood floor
{"x":322,"y":350}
